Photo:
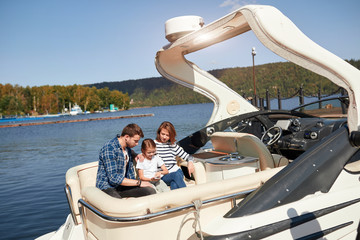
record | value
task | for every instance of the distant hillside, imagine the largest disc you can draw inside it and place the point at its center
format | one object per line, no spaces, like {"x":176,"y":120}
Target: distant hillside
{"x":285,"y":76}
{"x":129,"y":86}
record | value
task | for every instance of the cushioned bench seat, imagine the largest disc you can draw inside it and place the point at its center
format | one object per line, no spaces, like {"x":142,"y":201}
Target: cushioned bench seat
{"x":172,"y":199}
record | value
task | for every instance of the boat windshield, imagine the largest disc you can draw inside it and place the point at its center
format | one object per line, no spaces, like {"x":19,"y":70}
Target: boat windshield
{"x":335,"y":107}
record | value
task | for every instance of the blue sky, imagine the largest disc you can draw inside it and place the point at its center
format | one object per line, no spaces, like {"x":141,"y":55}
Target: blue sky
{"x":66,"y":42}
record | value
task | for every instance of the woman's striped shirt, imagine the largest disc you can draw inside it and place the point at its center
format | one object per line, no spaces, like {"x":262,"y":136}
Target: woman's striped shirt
{"x":168,"y":153}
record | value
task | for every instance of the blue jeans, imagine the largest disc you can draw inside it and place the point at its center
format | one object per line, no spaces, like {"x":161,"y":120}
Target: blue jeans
{"x":175,"y":179}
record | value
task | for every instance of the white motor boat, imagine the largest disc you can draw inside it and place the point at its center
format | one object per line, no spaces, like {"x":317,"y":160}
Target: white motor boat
{"x":270,"y":174}
{"x":76,"y":110}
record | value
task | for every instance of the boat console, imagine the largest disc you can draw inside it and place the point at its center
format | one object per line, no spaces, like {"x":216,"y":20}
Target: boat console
{"x":236,"y":154}
{"x":299,"y":135}
{"x":221,"y":166}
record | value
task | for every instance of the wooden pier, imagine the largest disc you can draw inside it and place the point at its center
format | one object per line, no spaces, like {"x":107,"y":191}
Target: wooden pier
{"x":76,"y":120}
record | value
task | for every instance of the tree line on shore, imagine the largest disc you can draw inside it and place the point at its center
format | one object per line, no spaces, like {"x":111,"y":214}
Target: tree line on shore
{"x":285,"y":77}
{"x":18,"y":100}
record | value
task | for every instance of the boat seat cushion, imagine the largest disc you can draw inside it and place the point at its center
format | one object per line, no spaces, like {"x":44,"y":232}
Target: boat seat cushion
{"x":77,"y":177}
{"x":87,"y":176}
{"x":223,"y":142}
{"x":179,"y":197}
{"x":83,"y":176}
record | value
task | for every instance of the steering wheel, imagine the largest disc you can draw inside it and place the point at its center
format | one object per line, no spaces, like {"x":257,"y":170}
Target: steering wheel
{"x":271,"y":135}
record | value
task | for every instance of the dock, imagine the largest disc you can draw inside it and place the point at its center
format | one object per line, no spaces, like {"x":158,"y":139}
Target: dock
{"x":76,"y":120}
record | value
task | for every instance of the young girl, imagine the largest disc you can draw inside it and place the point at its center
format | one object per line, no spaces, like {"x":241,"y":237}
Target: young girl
{"x":167,"y":149}
{"x":148,"y":168}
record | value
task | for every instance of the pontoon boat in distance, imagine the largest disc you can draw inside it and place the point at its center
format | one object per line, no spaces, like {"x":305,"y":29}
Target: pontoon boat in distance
{"x":294,"y":175}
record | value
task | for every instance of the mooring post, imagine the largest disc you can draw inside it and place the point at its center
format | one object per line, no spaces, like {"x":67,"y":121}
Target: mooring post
{"x":268,"y":107}
{"x":301,"y":95}
{"x":279,"y":99}
{"x":261,"y":103}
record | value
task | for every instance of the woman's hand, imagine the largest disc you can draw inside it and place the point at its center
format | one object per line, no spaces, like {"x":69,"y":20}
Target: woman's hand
{"x":190,"y":167}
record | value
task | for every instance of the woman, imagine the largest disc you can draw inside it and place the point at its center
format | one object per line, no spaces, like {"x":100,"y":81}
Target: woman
{"x":167,"y":149}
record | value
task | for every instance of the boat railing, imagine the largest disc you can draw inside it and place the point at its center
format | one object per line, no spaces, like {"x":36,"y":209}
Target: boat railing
{"x":69,"y":199}
{"x":83,"y":204}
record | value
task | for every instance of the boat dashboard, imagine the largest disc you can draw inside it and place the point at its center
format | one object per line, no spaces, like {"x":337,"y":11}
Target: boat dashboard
{"x":286,"y":133}
{"x":297,"y":135}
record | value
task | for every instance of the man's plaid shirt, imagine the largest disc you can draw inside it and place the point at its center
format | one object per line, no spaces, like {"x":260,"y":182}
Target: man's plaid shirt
{"x":112,"y":165}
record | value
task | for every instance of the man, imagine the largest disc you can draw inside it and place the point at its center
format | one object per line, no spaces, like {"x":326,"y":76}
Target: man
{"x":116,"y":174}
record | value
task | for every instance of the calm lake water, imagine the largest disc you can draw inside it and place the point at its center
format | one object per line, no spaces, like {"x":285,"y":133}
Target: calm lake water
{"x":34,"y":160}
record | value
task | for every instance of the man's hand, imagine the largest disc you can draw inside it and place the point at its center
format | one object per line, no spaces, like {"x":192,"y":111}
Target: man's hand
{"x":146,"y":184}
{"x":140,"y":157}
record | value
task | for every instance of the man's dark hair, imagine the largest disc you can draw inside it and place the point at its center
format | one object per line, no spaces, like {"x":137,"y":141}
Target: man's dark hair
{"x":132,"y":129}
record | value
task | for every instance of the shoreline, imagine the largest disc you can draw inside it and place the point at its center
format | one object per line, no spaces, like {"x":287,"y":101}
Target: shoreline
{"x":76,"y":120}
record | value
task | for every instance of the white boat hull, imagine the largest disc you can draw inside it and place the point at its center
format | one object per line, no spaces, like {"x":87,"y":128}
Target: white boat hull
{"x":68,"y":231}
{"x":334,"y":215}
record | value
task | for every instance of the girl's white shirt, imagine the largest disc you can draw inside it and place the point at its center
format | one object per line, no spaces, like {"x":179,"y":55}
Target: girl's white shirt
{"x":150,"y":167}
